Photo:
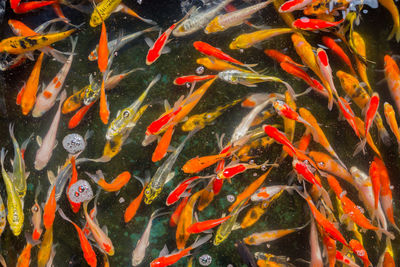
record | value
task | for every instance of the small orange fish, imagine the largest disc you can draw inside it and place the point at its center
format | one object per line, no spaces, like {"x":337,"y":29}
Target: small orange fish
{"x":163,"y":145}
{"x":104,"y":111}
{"x":133,"y":207}
{"x":24,"y":258}
{"x":79,"y":115}
{"x":74,"y":177}
{"x":49,"y":211}
{"x":360,"y":251}
{"x":115,"y":185}
{"x":103,"y":52}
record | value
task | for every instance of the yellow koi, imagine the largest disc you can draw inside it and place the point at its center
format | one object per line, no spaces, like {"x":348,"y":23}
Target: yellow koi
{"x":102,"y":11}
{"x":394,"y":11}
{"x":247,"y":40}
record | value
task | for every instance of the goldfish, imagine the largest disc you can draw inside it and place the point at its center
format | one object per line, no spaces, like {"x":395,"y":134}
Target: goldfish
{"x":29,"y":6}
{"x":75,"y":206}
{"x":180,"y":189}
{"x":394,"y":11}
{"x":268,"y":236}
{"x":199,"y":227}
{"x":103,"y":52}
{"x":74,"y":101}
{"x":191,"y":78}
{"x":392,"y":75}
{"x":45,"y":248}
{"x":218,"y":65}
{"x":279,"y":137}
{"x":287,"y":17}
{"x":131,"y":210}
{"x":118,"y":43}
{"x":371,"y":110}
{"x":20,"y":44}
{"x":166,"y":260}
{"x":47,"y":97}
{"x":334,"y":47}
{"x":78,"y":116}
{"x":127,"y":117}
{"x":348,"y":114}
{"x":235,"y":18}
{"x":359,"y":46}
{"x":101,"y":238}
{"x":102,"y":11}
{"x":375,"y":179}
{"x":88,"y":252}
{"x":123,"y":8}
{"x":198,"y":20}
{"x":49,"y":210}
{"x":47,"y":146}
{"x":360,"y":251}
{"x":287,"y":112}
{"x":28,"y":93}
{"x":15,"y":213}
{"x":279,"y":57}
{"x":308,"y":24}
{"x":139,"y":252}
{"x":163,"y":173}
{"x":303,"y":169}
{"x":247,"y":40}
{"x":120,"y":181}
{"x":225,"y":229}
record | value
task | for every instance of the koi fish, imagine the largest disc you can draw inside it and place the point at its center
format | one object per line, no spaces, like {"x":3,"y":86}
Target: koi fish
{"x":120,"y":181}
{"x":166,"y":260}
{"x":324,"y":7}
{"x":331,"y":44}
{"x":268,"y":192}
{"x":118,"y":43}
{"x":139,"y":252}
{"x":200,"y":121}
{"x":392,"y":8}
{"x":250,"y":190}
{"x":371,"y":110}
{"x":292,"y":5}
{"x":123,"y":8}
{"x":191,"y":79}
{"x":375,"y":179}
{"x":386,"y":259}
{"x":199,"y":227}
{"x":163,"y":173}
{"x":234,"y":169}
{"x":316,"y":256}
{"x":346,"y":260}
{"x":43,"y":256}
{"x":19,"y":173}
{"x":256,"y":239}
{"x":308,"y":24}
{"x":47,"y":146}
{"x":235,"y":18}
{"x":28,"y":93}
{"x":75,"y":206}
{"x":279,"y":137}
{"x":360,"y":97}
{"x":15,"y":213}
{"x":218,"y":65}
{"x":180,"y":189}
{"x":173,"y":222}
{"x":318,"y":134}
{"x":391,"y":120}
{"x":197,"y":164}
{"x":360,"y":251}
{"x":247,"y":40}
{"x":29,"y":6}
{"x":20,"y":44}
{"x":101,"y":238}
{"x":133,"y":207}
{"x":24,"y":258}
{"x":392,"y":75}
{"x":78,"y":116}
{"x":198,"y":20}
{"x":36,"y":217}
{"x":303,"y":169}
{"x":360,"y":51}
{"x":49,"y":210}
{"x":249,"y":79}
{"x":102,"y":11}
{"x":88,"y":252}
{"x":128,"y":117}
{"x":102,"y":60}
{"x":279,"y":57}
{"x":348,"y":114}
{"x":47,"y":97}
{"x":326,"y":163}
{"x":286,"y":111}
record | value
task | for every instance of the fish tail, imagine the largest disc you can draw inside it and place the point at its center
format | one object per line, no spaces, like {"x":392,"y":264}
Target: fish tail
{"x":360,"y":147}
{"x":26,"y":143}
{"x":3,"y":155}
{"x":395,"y":33}
{"x":94,"y":177}
{"x":11,"y":130}
{"x":384,"y":135}
{"x":201,"y":241}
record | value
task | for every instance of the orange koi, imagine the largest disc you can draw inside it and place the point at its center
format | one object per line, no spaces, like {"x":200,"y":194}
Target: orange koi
{"x":28,"y":96}
{"x":211,"y":51}
{"x":49,"y":211}
{"x":173,"y":222}
{"x":133,"y":207}
{"x":331,"y":44}
{"x":88,"y":252}
{"x":279,"y":57}
{"x":74,"y":177}
{"x":360,"y":251}
{"x":197,"y":164}
{"x":104,"y":110}
{"x":120,"y":181}
{"x":304,"y":141}
{"x":217,"y":65}
{"x":24,"y":258}
{"x":392,"y":75}
{"x":199,"y":227}
{"x":391,"y":120}
{"x":29,"y":6}
{"x":163,"y":145}
{"x":375,"y":179}
{"x":79,"y":115}
{"x":206,"y":196}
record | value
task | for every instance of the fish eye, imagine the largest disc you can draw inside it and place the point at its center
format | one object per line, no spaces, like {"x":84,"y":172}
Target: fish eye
{"x":35,"y":209}
{"x":147,"y":191}
{"x":125,"y":114}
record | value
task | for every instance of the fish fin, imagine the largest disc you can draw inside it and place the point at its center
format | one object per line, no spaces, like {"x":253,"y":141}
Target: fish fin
{"x":248,"y":84}
{"x":170,"y":177}
{"x":39,"y":140}
{"x":164,"y":251}
{"x":55,"y":144}
{"x":51,"y":177}
{"x":26,"y":143}
{"x":167,"y":106}
{"x":105,"y":229}
{"x":360,"y":147}
{"x":171,"y":149}
{"x":30,"y":56}
{"x":94,"y":177}
{"x":236,"y":226}
{"x":384,"y":135}
{"x":166,"y":50}
{"x":91,"y":80}
{"x":201,"y":241}
{"x":149,"y":42}
{"x":139,"y":179}
{"x":27,"y":175}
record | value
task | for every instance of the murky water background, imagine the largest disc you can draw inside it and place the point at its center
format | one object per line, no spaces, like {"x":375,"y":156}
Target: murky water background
{"x":287,"y":212}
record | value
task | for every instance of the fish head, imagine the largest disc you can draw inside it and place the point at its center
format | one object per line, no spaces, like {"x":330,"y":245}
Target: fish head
{"x":93,"y":55}
{"x":119,"y":124}
{"x":92,"y":93}
{"x":39,"y":163}
{"x":151,"y":193}
{"x":95,"y":19}
{"x":236,"y":43}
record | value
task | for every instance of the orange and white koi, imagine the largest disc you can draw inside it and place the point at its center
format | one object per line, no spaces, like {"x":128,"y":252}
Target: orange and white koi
{"x":120,"y":181}
{"x":191,"y":79}
{"x":332,"y":45}
{"x":284,"y":110}
{"x":88,"y":252}
{"x":360,"y":251}
{"x":303,"y":169}
{"x":292,"y":5}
